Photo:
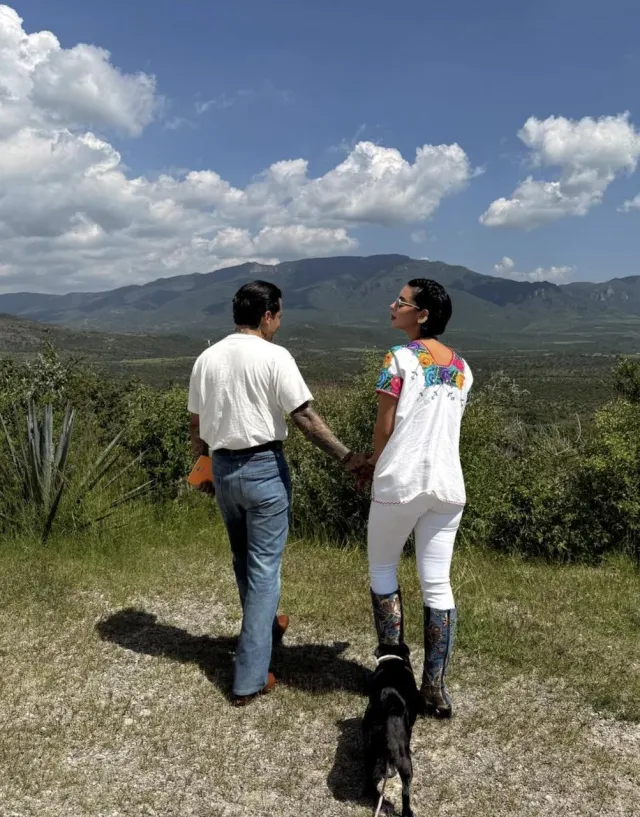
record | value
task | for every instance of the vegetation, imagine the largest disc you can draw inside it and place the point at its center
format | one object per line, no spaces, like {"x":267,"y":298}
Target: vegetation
{"x":40,"y":480}
{"x":567,"y":491}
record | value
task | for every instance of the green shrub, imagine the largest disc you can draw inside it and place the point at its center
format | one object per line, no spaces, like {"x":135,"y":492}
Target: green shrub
{"x":535,"y":517}
{"x":576,"y":501}
{"x":606,"y":486}
{"x":157,"y":431}
{"x":48,"y":378}
{"x":326,"y":502}
{"x":626,"y":379}
{"x":492,"y":443}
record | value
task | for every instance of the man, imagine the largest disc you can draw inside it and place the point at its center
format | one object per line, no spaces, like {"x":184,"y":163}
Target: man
{"x":240,"y":391}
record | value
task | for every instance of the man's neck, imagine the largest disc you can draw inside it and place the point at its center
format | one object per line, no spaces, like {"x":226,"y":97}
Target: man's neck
{"x":248,"y":330}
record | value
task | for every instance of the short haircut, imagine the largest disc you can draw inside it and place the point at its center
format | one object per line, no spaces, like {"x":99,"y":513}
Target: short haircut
{"x":253,"y":300}
{"x":433,"y":297}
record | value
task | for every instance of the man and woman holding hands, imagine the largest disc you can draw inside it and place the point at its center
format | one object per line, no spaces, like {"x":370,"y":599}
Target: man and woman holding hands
{"x":241,"y":390}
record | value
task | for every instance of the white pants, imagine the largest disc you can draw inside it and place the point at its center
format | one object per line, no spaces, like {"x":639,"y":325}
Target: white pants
{"x":436,"y":524}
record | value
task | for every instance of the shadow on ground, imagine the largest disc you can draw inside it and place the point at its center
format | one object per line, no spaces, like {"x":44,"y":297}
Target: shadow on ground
{"x":314,"y":668}
{"x":347,"y":777}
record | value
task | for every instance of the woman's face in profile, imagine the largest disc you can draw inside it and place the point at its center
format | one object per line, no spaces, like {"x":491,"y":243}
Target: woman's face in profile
{"x":404,"y":311}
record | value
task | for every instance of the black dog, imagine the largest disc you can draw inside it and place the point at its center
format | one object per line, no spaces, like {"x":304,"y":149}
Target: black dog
{"x":394,"y":704}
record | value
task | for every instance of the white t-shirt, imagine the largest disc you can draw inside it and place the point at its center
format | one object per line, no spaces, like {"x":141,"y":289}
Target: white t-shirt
{"x":422,"y":455}
{"x":241,"y":388}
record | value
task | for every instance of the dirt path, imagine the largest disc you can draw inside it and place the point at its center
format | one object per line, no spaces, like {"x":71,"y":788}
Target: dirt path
{"x":132,"y":718}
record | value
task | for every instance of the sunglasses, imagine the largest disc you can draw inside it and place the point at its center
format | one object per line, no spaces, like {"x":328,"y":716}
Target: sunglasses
{"x":401,"y":302}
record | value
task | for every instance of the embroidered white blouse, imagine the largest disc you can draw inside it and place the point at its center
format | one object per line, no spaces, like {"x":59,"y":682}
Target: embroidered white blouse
{"x":422,"y":456}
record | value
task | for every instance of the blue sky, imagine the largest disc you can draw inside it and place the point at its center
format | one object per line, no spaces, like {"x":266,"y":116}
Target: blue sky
{"x":240,"y":86}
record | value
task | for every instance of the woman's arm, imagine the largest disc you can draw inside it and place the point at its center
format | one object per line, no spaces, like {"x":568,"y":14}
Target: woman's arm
{"x":385,"y":422}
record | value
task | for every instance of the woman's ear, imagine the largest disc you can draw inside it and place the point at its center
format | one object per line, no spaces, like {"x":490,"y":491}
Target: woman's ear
{"x":424,"y":316}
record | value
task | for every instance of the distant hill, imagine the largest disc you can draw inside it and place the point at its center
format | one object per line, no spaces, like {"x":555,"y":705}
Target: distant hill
{"x":23,"y":337}
{"x":346,"y":298}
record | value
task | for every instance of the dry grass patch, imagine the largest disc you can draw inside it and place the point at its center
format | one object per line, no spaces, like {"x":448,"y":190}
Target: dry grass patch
{"x":116,"y":665}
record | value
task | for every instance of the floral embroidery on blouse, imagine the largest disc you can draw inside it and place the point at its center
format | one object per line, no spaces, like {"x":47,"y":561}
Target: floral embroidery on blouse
{"x":389,"y":383}
{"x":435,"y":374}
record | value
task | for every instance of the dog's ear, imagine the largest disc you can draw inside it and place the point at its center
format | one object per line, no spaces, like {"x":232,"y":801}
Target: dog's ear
{"x":378,"y":651}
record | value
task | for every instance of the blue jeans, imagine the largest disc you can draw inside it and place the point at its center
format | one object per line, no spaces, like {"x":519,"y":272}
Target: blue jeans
{"x":254,"y":493}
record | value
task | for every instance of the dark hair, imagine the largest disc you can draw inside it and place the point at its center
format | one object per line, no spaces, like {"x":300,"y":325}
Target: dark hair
{"x":432,"y":296}
{"x":252,"y":300}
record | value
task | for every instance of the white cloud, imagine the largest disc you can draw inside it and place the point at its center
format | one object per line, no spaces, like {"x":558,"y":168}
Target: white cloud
{"x":590,"y":154}
{"x":419,"y":236}
{"x":505,"y":266}
{"x":555,"y":275}
{"x":298,"y":240}
{"x":293,"y":240}
{"x":630,"y":204}
{"x":44,"y":85}
{"x":377,"y":185}
{"x":73,"y":217}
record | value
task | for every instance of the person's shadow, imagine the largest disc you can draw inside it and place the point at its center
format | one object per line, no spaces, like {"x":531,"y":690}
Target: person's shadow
{"x":317,"y":668}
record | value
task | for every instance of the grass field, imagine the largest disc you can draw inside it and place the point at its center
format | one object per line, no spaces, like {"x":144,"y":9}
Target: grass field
{"x":116,"y":655}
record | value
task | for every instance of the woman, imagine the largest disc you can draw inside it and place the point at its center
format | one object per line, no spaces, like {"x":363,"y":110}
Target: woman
{"x":417,"y":481}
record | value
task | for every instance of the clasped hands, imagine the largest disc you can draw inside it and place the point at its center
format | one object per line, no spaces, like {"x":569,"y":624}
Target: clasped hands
{"x":358,"y":465}
{"x":361,"y":467}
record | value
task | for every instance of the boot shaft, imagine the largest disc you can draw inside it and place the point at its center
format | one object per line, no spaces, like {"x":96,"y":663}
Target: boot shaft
{"x":439,"y":634}
{"x":388,"y":618}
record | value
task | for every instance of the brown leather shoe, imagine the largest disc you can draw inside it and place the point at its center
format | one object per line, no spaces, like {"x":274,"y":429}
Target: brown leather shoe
{"x":280,"y":627}
{"x":243,"y":700}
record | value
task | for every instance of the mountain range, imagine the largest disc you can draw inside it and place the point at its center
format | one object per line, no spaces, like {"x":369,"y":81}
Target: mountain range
{"x":349,"y":297}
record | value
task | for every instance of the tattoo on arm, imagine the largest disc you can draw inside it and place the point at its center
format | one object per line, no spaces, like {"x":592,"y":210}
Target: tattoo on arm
{"x":316,"y":431}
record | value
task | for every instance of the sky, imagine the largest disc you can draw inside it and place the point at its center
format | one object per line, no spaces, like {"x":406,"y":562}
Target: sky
{"x":148,"y":139}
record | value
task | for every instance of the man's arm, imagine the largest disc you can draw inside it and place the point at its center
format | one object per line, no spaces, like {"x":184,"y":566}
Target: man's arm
{"x":198,"y":446}
{"x":316,"y":431}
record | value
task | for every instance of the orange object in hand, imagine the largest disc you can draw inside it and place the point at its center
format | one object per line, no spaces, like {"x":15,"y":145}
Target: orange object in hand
{"x":201,"y":472}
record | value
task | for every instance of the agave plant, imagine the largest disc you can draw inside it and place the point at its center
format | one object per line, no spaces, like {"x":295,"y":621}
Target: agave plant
{"x":42,"y":466}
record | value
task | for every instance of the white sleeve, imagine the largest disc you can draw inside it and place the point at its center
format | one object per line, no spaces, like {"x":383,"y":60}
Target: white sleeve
{"x":290,"y":389}
{"x":194,"y":389}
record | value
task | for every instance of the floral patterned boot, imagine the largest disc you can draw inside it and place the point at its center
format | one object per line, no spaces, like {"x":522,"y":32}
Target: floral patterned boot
{"x":439,"y":632}
{"x":387,"y":616}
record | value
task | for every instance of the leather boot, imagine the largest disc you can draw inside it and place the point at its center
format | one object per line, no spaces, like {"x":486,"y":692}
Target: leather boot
{"x":387,"y":617}
{"x":439,"y":632}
